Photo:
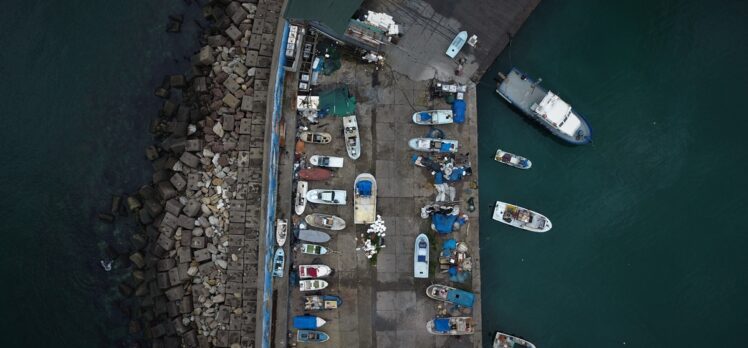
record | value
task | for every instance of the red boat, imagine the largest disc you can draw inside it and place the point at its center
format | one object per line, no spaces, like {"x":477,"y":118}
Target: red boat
{"x":315,"y":174}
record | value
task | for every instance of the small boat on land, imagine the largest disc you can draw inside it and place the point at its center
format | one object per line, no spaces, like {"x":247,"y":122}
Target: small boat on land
{"x":432,"y":117}
{"x":364,"y":199}
{"x":519,"y":217}
{"x":330,"y":222}
{"x":313,"y":236}
{"x":314,"y":271}
{"x":324,"y":196}
{"x":326,"y":161}
{"x":545,"y":107}
{"x":281,"y":231}
{"x":315,"y":137}
{"x":452,"y":295}
{"x":433,"y":145}
{"x":312,"y":284}
{"x":352,"y":139}
{"x":321,"y":302}
{"x":421,"y":257}
{"x":457,"y":44}
{"x":315,"y":174}
{"x":300,"y":201}
{"x":512,"y":160}
{"x":502,"y":340}
{"x":299,"y":148}
{"x":308,"y":322}
{"x":313,"y":249}
{"x":452,"y":326}
{"x":279,"y":261}
{"x":311,"y":336}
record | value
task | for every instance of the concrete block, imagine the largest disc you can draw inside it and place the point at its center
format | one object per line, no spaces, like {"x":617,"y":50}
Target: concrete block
{"x":231,"y":85}
{"x":189,"y":160}
{"x":231,"y":101}
{"x":174,"y":293}
{"x":198,"y":243}
{"x":194,"y":145}
{"x":173,"y":206}
{"x":234,"y":33}
{"x":166,"y":190}
{"x":186,"y":222}
{"x":165,"y":242}
{"x":205,"y":56}
{"x":164,"y":265}
{"x":202,"y":255}
{"x":192,"y":208}
{"x":184,"y":254}
{"x":247,"y":102}
{"x":178,"y":181}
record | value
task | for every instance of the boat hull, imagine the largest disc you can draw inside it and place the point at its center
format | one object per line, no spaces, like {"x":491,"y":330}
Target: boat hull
{"x":365,"y":207}
{"x":333,"y":197}
{"x":301,"y":190}
{"x":457,"y":44}
{"x":352,"y":138}
{"x":421,"y":257}
{"x":539,"y":222}
{"x":314,"y":271}
{"x":281,"y":232}
{"x":311,"y":336}
{"x":458,"y":326}
{"x":433,"y":145}
{"x":315,"y":174}
{"x":313,"y":249}
{"x":312,"y":284}
{"x":279,"y":261}
{"x":315,"y":137}
{"x":502,"y":340}
{"x":314,"y":236}
{"x":330,"y":222}
{"x":322,"y":302}
{"x":449,"y":294}
{"x":512,"y":160}
{"x":326,"y":161}
{"x":433,"y":117}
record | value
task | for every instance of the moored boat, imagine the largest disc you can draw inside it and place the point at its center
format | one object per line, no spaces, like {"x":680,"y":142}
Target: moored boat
{"x":279,"y":261}
{"x":281,"y":231}
{"x":519,"y":217}
{"x":300,"y":201}
{"x":314,"y":271}
{"x":452,"y":295}
{"x":364,"y":199}
{"x":312,"y":284}
{"x":308,"y":322}
{"x":421,"y":257}
{"x":452,"y":326}
{"x":311,"y":336}
{"x":327,"y":221}
{"x":502,"y":340}
{"x":512,"y":160}
{"x":313,"y":236}
{"x":432,"y":117}
{"x":324,"y":196}
{"x":321,"y":302}
{"x":433,"y":145}
{"x":544,"y":107}
{"x":315,"y":174}
{"x":315,"y":137}
{"x":326,"y":161}
{"x":352,"y":138}
{"x":313,"y":249}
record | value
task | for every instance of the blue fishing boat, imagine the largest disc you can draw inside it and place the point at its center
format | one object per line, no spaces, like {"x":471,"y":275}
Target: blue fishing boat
{"x":311,"y":336}
{"x":308,"y":322}
{"x":279,"y":261}
{"x":452,"y":295}
{"x":452,"y":326}
{"x":545,"y":107}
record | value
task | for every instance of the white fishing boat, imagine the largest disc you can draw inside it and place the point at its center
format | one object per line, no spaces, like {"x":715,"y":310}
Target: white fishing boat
{"x":352,"y":139}
{"x":519,"y":217}
{"x":457,"y":44}
{"x":314,"y":271}
{"x":512,"y":160}
{"x":300,"y":201}
{"x":432,"y":117}
{"x":452,"y":326}
{"x":313,"y":249}
{"x":281,"y":231}
{"x":312,"y":284}
{"x":433,"y":145}
{"x":315,"y":137}
{"x":326,"y":161}
{"x":324,"y":196}
{"x":364,"y":199}
{"x":327,"y":221}
{"x":313,"y":236}
{"x":502,"y":340}
{"x":421,"y":257}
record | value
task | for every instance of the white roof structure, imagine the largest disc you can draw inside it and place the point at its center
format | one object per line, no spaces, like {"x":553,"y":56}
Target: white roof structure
{"x":558,"y":113}
{"x":383,"y":21}
{"x":307,"y":102}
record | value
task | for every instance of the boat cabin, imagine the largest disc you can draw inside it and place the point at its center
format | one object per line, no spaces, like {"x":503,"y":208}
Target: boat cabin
{"x":557,"y":113}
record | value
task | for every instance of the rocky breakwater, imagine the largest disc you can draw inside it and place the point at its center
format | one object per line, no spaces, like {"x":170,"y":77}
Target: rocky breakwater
{"x":195,"y":262}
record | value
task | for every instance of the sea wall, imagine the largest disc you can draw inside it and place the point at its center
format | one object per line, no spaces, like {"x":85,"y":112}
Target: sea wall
{"x":194,"y":264}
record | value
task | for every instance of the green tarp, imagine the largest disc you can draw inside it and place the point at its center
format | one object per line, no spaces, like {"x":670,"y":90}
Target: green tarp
{"x":337,"y":102}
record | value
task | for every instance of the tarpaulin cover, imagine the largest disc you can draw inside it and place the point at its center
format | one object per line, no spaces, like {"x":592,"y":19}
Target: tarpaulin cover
{"x":441,"y":324}
{"x":443,"y":223}
{"x":449,"y":244}
{"x":445,"y":147}
{"x":439,"y":178}
{"x":364,"y":187}
{"x":337,"y":102}
{"x":425,"y":116}
{"x":461,"y":297}
{"x":452,"y":270}
{"x":458,"y":109}
{"x":456,"y":174}
{"x":305,"y":322}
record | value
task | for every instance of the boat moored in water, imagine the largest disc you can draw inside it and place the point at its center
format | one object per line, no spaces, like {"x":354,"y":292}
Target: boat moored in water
{"x":512,"y":160}
{"x":502,"y":340}
{"x":311,"y":336}
{"x":327,"y":221}
{"x":312,"y":284}
{"x":432,"y":117}
{"x":324,"y":196}
{"x":352,"y":138}
{"x":452,"y":295}
{"x":315,"y":137}
{"x":421,"y":257}
{"x":452,"y":326}
{"x":545,"y":107}
{"x":326,"y":161}
{"x":519,"y":217}
{"x":433,"y":145}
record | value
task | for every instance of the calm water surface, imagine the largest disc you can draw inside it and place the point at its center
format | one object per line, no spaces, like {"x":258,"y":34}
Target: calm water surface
{"x":648,"y":247}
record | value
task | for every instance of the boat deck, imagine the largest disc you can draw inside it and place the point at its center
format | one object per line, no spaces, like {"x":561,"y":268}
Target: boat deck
{"x":522,"y":93}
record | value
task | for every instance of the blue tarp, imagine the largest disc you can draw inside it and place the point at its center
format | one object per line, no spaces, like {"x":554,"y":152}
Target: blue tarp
{"x":458,"y":109}
{"x":461,"y":297}
{"x":441,"y":324}
{"x":443,"y":223}
{"x":425,"y":116}
{"x":449,"y":244}
{"x":364,"y":187}
{"x":445,"y":147}
{"x":439,"y":178}
{"x":305,"y":322}
{"x":457,"y":174}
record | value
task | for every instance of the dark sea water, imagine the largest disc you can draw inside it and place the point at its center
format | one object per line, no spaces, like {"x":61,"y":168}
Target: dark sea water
{"x":648,"y":247}
{"x":76,"y":99}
